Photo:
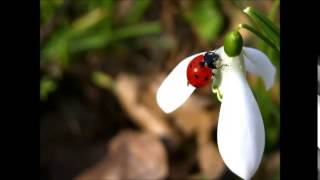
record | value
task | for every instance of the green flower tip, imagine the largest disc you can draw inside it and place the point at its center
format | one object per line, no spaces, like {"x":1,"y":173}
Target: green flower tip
{"x":233,"y":43}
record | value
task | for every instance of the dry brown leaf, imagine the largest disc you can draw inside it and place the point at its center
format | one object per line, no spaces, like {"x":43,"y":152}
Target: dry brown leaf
{"x":272,"y":164}
{"x":210,"y":161}
{"x":193,"y":115}
{"x":127,"y":89}
{"x":131,"y":155}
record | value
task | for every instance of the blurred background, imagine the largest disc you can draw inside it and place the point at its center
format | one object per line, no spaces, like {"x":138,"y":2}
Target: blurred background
{"x":101,"y":62}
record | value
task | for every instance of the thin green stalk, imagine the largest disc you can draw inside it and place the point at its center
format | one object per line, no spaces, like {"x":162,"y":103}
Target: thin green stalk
{"x":265,"y":23}
{"x":274,"y":10}
{"x":261,"y":36}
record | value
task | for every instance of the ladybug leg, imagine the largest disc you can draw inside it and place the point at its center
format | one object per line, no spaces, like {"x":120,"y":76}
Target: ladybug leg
{"x":222,"y":66}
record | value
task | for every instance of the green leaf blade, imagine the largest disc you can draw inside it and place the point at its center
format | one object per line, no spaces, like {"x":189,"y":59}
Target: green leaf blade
{"x":265,"y":25}
{"x":206,"y":19}
{"x":259,"y":34}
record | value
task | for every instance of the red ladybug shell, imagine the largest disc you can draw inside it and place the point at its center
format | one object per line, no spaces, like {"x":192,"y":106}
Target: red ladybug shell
{"x":198,"y":73}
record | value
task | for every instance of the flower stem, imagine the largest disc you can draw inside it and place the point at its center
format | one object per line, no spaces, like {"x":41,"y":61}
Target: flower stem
{"x":274,"y":9}
{"x":260,"y":35}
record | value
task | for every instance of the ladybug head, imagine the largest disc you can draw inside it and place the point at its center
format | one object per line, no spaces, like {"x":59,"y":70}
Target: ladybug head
{"x":210,"y":58}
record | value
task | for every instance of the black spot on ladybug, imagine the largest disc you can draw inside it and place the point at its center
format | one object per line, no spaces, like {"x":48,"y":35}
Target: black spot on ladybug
{"x":190,"y":65}
{"x":206,"y":78}
{"x":201,"y":64}
{"x":196,"y":76}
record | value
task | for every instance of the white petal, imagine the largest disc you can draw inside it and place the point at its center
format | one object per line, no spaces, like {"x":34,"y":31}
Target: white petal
{"x":174,"y":90}
{"x":259,"y":64}
{"x":318,"y":73}
{"x":240,"y":135}
{"x":318,"y":121}
{"x":318,"y":107}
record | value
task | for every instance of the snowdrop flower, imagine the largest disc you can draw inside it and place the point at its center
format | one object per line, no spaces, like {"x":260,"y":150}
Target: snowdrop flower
{"x":241,"y":134}
{"x":318,"y":103}
{"x":318,"y":121}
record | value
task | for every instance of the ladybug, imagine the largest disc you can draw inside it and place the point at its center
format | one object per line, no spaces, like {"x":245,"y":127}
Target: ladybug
{"x":199,"y":71}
